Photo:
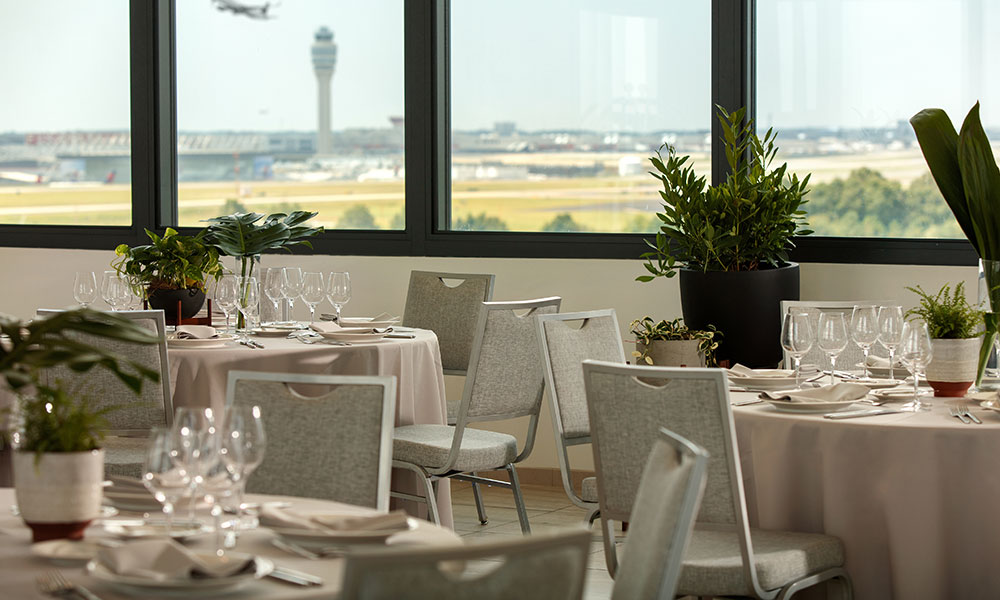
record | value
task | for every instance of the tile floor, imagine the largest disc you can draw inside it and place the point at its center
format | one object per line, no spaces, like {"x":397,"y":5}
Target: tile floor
{"x":548,"y":509}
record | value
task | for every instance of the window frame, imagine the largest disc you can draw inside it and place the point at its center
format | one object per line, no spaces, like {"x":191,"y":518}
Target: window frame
{"x":428,"y":157}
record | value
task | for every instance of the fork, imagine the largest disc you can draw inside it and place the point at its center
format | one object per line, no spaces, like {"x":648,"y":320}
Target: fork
{"x":958,"y":415}
{"x":964,"y":410}
{"x":53,"y":583}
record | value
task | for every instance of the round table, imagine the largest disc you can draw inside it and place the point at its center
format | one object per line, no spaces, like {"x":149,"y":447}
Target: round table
{"x":910,"y":494}
{"x":19,"y":568}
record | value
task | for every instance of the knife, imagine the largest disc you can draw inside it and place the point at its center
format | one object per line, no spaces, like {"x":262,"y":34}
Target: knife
{"x":866,"y":412}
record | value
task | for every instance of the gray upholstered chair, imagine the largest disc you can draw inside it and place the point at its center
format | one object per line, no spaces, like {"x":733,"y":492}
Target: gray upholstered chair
{"x":725,"y":557}
{"x":335,"y":444}
{"x":852,"y":354}
{"x":662,"y":519}
{"x":135,"y":414}
{"x":543,"y":567}
{"x":564,"y":347}
{"x":504,"y":382}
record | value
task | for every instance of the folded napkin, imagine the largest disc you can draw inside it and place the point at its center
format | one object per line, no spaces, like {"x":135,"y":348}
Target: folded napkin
{"x":272,"y":516}
{"x":126,"y":484}
{"x":882,"y":363}
{"x":838,"y":392}
{"x":739,"y":370}
{"x":162,"y":559}
{"x":325,"y":327}
{"x":195,"y":332}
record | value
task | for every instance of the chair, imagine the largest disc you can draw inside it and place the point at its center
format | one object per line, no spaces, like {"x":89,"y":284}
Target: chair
{"x":334,"y":446}
{"x":504,"y":382}
{"x":543,"y":567}
{"x":627,"y":406}
{"x":563,"y":349}
{"x":852,"y":354}
{"x":136,"y":414}
{"x":662,"y":519}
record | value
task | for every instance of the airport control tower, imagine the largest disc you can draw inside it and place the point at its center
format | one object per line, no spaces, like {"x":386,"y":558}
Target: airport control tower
{"x":324,"y":57}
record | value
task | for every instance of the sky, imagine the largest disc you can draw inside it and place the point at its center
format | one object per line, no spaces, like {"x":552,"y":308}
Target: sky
{"x":545,"y":65}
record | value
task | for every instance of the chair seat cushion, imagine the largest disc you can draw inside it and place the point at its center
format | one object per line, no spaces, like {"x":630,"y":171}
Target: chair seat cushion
{"x":713,"y":565}
{"x":124,"y":456}
{"x":429,"y":445}
{"x":588,"y":490}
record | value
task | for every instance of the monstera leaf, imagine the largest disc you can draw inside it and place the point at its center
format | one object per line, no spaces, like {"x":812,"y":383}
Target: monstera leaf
{"x":240,"y":234}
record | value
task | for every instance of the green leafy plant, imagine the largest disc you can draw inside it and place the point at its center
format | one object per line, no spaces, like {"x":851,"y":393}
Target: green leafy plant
{"x":948,"y":314}
{"x":170,"y":262}
{"x":55,"y":423}
{"x":647,"y":330}
{"x":241,"y":235}
{"x":743,"y":224}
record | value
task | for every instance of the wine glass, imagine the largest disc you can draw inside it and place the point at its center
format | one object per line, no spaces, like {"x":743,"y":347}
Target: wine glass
{"x":890,"y":332}
{"x":313,"y":292}
{"x":85,"y":288}
{"x":110,"y":289}
{"x":226,"y":293}
{"x":272,"y":283}
{"x":243,"y":445}
{"x":831,"y":337}
{"x":338,"y":290}
{"x":195,"y":444}
{"x":249,"y":303}
{"x":864,"y":330}
{"x":220,"y":488}
{"x":162,"y":478}
{"x":291,"y":286}
{"x":796,"y":339}
{"x":916,"y":352}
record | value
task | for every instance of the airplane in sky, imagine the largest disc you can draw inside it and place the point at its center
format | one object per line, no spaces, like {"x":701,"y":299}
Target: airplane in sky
{"x":254,"y":11}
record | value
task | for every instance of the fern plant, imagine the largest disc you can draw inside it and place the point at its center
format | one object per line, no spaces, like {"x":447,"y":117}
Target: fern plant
{"x":948,"y":314}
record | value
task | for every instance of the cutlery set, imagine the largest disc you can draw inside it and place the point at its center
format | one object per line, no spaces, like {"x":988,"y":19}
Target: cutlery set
{"x":252,"y":344}
{"x":963,"y":414}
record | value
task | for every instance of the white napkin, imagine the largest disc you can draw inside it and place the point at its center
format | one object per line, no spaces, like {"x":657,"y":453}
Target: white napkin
{"x":195,"y":332}
{"x":162,"y":559}
{"x":838,"y":392}
{"x":739,"y":370}
{"x":325,"y":327}
{"x":882,"y":363}
{"x":271,"y":516}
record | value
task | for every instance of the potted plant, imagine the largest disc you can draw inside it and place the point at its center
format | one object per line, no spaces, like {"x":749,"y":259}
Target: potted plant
{"x":965,"y":171}
{"x":673,"y":344}
{"x":955,"y":328}
{"x":58,"y":464}
{"x":172,"y":268}
{"x":730,"y":241}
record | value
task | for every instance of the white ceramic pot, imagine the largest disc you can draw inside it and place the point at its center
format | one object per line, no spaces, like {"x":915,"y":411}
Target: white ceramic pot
{"x":61,"y":494}
{"x":673,"y":353}
{"x":953,"y":367}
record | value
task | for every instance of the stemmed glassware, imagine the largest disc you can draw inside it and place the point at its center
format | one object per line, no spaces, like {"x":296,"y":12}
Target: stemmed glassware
{"x":273,"y":281}
{"x":248,"y":303}
{"x":195,"y":446}
{"x":338,"y":290}
{"x":242,"y":449}
{"x":313,"y":292}
{"x":85,"y":288}
{"x":864,"y":330}
{"x":915,"y":351}
{"x":226,"y":294}
{"x":796,"y":339}
{"x":161,"y":476}
{"x":890,"y":332}
{"x":291,"y":287}
{"x":109,"y":292}
{"x":832,"y":337}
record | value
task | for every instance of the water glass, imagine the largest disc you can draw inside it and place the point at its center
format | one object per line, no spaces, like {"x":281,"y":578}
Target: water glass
{"x":108,"y":291}
{"x":273,"y":282}
{"x":195,"y":446}
{"x":864,"y":330}
{"x":832,"y":337}
{"x":338,"y":290}
{"x":890,"y":332}
{"x":916,"y":352}
{"x":291,"y":287}
{"x":242,"y":447}
{"x":85,"y":288}
{"x":796,"y":339}
{"x":161,"y":476}
{"x":249,"y":303}
{"x":313,"y":292}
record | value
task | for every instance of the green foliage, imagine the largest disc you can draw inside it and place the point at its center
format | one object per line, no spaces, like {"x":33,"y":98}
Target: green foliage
{"x":642,"y":224}
{"x":647,"y":330}
{"x":357,"y":217}
{"x":948,"y":315}
{"x":55,"y":423}
{"x":480,"y":222}
{"x":563,"y":222}
{"x":173,"y":261}
{"x":232,"y":205}
{"x":743,"y":224}
{"x":241,"y":236}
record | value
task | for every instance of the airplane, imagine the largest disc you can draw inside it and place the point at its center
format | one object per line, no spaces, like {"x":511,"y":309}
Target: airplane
{"x":258,"y":11}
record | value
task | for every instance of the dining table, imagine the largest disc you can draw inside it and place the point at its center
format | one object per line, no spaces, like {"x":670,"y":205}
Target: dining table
{"x":199,"y":375}
{"x":20,"y":566}
{"x":912,"y":495}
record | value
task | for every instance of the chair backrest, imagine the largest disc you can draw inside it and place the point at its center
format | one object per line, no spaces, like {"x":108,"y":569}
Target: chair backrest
{"x":539,"y":567}
{"x":335,"y":446}
{"x":134,"y":413}
{"x":450,"y":312}
{"x":662,"y":519}
{"x":852,"y":354}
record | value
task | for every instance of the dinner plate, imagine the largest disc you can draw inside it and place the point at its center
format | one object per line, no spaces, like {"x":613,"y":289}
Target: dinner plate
{"x":899,"y":372}
{"x":310,"y":538}
{"x":135,"y":530}
{"x":216,"y":342}
{"x":809,"y":408}
{"x":69,"y":553}
{"x":138,"y":501}
{"x":351,"y":336}
{"x":876,"y":384}
{"x":366,"y":322}
{"x":291,"y":326}
{"x":763,"y":383}
{"x":106,"y":511}
{"x":203,"y":586}
{"x":270,"y":332}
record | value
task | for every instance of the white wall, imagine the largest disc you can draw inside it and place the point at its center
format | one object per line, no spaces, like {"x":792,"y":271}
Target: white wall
{"x":43,"y":278}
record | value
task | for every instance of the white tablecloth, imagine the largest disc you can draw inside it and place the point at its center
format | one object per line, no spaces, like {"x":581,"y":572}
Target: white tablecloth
{"x":19,"y":568}
{"x":913,"y":496}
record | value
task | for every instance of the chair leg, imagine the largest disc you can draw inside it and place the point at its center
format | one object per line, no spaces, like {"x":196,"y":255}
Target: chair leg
{"x":610,"y":552}
{"x":480,"y":507}
{"x":522,"y":514}
{"x":593,"y":515}
{"x":432,"y":507}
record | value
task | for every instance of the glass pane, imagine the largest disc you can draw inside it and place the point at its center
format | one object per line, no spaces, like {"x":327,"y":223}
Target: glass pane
{"x":65,"y":146}
{"x":557,"y":106}
{"x":301,"y":110}
{"x":839,"y":81}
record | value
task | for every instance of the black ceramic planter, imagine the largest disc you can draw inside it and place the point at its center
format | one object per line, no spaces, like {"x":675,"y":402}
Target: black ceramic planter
{"x":191,"y":299}
{"x":745,"y":306}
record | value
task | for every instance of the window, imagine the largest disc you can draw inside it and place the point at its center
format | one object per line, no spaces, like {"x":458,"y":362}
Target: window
{"x":299,"y":111}
{"x":65,"y":140}
{"x":554,"y":116}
